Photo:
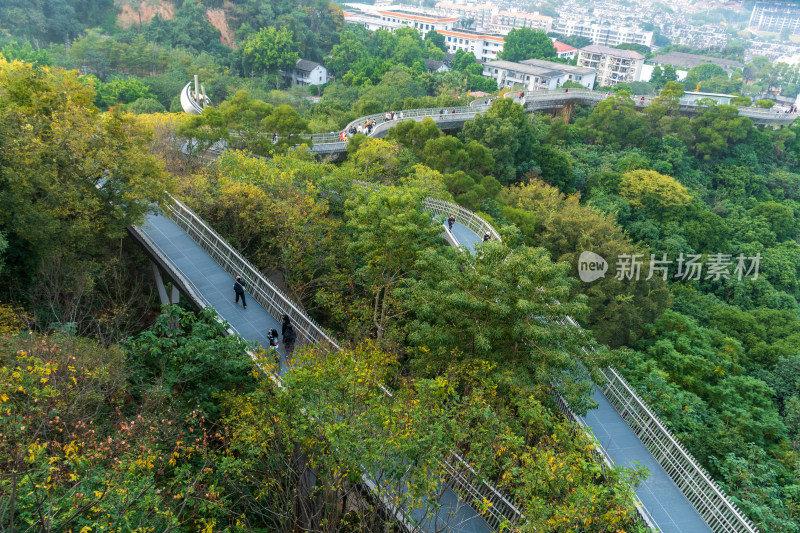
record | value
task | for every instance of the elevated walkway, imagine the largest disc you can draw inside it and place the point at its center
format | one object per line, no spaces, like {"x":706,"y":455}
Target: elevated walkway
{"x":663,"y":504}
{"x":200,"y":264}
{"x":532,"y":101}
{"x":678,"y":496}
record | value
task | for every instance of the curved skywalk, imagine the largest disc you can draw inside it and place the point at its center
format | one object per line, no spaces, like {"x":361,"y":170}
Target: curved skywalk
{"x":659,"y":495}
{"x":182,"y":257}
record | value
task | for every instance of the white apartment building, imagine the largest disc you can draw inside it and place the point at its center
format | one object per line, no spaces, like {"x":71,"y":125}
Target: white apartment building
{"x":375,"y":18}
{"x":775,"y":17}
{"x":537,"y":74}
{"x":370,"y":21}
{"x":603,"y":34}
{"x":423,"y":23}
{"x":613,"y":66}
{"x":482,"y":14}
{"x":485,"y":47}
{"x":516,"y":19}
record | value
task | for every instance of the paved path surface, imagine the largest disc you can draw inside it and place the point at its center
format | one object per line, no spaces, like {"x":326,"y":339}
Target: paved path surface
{"x":209,"y":279}
{"x":465,"y":236}
{"x":659,"y":494}
{"x":215,"y":286}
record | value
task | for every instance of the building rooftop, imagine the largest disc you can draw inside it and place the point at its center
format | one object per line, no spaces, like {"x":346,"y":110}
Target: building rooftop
{"x":529,"y":16}
{"x":562,"y":47}
{"x":471,"y":35}
{"x":416,"y":16}
{"x":709,"y":95}
{"x":306,"y":65}
{"x":558,"y":66}
{"x":600,"y":49}
{"x":682,"y":59}
{"x":432,"y":64}
{"x":526,"y":69}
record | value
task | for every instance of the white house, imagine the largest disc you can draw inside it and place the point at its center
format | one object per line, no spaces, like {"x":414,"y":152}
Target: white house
{"x":307,"y":72}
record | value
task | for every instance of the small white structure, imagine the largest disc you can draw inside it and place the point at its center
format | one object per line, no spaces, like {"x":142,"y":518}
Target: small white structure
{"x":647,"y":72}
{"x":691,"y":98}
{"x":307,"y":72}
{"x":193,"y":102}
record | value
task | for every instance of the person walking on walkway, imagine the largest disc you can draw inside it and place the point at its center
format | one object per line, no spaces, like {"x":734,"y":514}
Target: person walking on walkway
{"x":272,"y":339}
{"x":451,"y":221}
{"x":238,"y":288}
{"x":288,"y":334}
{"x":486,"y":237}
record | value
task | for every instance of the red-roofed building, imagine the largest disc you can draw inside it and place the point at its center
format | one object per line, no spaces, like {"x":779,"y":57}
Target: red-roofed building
{"x":564,"y":50}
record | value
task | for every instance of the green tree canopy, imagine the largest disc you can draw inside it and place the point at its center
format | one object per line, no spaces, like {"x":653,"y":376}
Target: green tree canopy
{"x":525,"y":43}
{"x":437,"y":39}
{"x":270,"y":49}
{"x":504,"y":307}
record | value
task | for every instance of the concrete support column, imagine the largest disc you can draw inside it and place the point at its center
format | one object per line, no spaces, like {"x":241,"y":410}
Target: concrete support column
{"x":162,"y":291}
{"x":176,"y":295}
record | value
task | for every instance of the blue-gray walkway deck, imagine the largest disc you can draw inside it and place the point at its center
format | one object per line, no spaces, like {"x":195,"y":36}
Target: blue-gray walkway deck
{"x":210,"y":281}
{"x":661,"y":497}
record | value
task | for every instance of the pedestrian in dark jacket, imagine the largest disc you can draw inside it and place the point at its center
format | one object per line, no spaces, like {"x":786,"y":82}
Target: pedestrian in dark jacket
{"x":486,"y":237}
{"x":238,"y":288}
{"x":451,"y":221}
{"x":289,"y":335}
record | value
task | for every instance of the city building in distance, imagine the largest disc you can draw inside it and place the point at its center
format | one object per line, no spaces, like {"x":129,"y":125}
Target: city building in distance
{"x":613,"y":65}
{"x":775,"y":17}
{"x":602,"y":34}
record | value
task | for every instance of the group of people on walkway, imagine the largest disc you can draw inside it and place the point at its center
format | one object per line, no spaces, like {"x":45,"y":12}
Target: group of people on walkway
{"x":393,"y":115}
{"x":287,"y":329}
{"x":365,"y":128}
{"x":452,"y":220}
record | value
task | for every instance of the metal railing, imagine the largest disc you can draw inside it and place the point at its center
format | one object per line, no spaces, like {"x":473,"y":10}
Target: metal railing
{"x":695,"y":483}
{"x":463,"y":216}
{"x":263,"y":291}
{"x":490,"y":503}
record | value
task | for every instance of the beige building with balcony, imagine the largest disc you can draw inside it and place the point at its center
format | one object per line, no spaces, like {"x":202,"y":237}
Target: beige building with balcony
{"x":613,"y":66}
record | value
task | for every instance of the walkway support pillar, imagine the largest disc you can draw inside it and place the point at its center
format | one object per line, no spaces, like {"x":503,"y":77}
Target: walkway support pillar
{"x":162,"y":291}
{"x":175,"y":296}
